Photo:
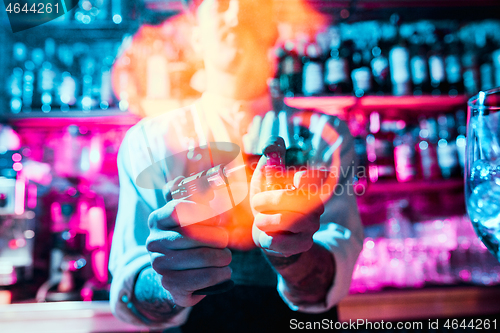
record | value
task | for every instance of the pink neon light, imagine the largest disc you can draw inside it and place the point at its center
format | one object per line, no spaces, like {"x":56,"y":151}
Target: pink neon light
{"x":17,"y":166}
{"x":13,"y":244}
{"x":19,"y":196}
{"x":16,"y":157}
{"x":97,"y":238}
{"x":32,"y":196}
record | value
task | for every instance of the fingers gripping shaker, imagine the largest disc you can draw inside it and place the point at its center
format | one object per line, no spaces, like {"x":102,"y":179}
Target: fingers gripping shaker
{"x":200,"y":188}
{"x":275,"y":151}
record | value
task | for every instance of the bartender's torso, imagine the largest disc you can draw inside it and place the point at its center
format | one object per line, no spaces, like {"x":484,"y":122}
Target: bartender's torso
{"x":177,"y":137}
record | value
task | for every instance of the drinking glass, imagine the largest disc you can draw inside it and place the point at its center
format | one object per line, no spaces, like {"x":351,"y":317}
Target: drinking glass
{"x":482,"y":178}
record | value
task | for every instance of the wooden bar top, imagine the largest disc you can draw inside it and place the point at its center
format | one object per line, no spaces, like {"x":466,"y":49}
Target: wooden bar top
{"x":427,"y":303}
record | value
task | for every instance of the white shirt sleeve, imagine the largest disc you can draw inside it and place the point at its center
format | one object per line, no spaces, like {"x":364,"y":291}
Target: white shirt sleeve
{"x":128,"y":255}
{"x":341,"y":231}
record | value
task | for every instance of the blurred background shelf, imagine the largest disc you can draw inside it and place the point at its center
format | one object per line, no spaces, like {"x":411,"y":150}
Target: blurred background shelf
{"x":332,"y":105}
{"x":113,"y":117}
{"x":394,"y":187}
{"x":338,"y":105}
{"x":412,"y":103}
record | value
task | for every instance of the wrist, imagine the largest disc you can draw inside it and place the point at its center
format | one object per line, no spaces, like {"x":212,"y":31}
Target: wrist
{"x":309,"y":278}
{"x":150,"y":301}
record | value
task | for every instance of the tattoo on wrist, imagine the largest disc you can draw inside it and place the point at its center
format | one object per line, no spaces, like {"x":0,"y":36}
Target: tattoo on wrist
{"x":280,"y":262}
{"x":151,"y":299}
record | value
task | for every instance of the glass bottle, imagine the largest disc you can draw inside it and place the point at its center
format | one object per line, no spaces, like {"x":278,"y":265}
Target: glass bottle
{"x":67,"y":88}
{"x":28,"y":85}
{"x":486,"y":65}
{"x":453,"y":66}
{"x":274,"y":83}
{"x":38,"y":57}
{"x":426,"y":148}
{"x":86,"y":102}
{"x":291,"y":79}
{"x":361,"y":74}
{"x":312,"y":75}
{"x":47,"y":76}
{"x":337,"y":69}
{"x":379,"y":150}
{"x":15,"y":83}
{"x":437,"y":69}
{"x":419,"y":69}
{"x":447,"y":148}
{"x":495,"y":56}
{"x":461,"y":124}
{"x":399,"y":61}
{"x":404,"y":156}
{"x":105,"y":89}
{"x":380,"y":70}
{"x":470,"y":69}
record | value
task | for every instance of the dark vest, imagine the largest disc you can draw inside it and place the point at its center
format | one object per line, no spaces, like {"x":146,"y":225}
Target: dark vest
{"x":252,"y":306}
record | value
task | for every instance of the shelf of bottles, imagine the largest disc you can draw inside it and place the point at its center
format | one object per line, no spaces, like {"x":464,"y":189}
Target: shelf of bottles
{"x":429,"y":150}
{"x":63,"y":78}
{"x":65,"y":65}
{"x":423,"y":59}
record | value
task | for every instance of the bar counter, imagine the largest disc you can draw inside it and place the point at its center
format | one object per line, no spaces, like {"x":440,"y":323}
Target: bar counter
{"x":396,"y":305}
{"x":422,"y":304}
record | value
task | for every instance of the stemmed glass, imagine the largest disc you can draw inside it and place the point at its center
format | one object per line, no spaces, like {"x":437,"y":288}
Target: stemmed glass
{"x":482,"y":179}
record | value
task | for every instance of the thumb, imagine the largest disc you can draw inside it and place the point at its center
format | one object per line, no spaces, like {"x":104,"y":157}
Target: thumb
{"x":258,"y":181}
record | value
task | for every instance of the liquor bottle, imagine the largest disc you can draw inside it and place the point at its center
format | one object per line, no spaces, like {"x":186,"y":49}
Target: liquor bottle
{"x":47,"y":76}
{"x":105,"y":89}
{"x":291,"y":79}
{"x":404,"y":155}
{"x":86,"y":102}
{"x":361,"y":74}
{"x":380,"y":150}
{"x":419,"y":69}
{"x":337,"y":69}
{"x":461,"y":123}
{"x":447,"y":148}
{"x":495,"y":56}
{"x":486,"y":65}
{"x":312,"y":75}
{"x":274,"y":82}
{"x":380,"y":70}
{"x":437,"y":70}
{"x":67,"y":88}
{"x":399,"y":62}
{"x":470,"y":69}
{"x":15,"y":83}
{"x":453,"y":67}
{"x":37,"y":57}
{"x":29,"y":84}
{"x":358,"y":126}
{"x":428,"y":166}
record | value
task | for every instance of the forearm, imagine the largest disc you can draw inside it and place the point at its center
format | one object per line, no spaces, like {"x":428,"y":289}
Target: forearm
{"x":308,"y":276}
{"x":151,"y":300}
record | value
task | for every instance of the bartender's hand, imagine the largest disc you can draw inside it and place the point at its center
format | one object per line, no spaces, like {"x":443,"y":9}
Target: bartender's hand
{"x":191,"y":257}
{"x":284,"y":220}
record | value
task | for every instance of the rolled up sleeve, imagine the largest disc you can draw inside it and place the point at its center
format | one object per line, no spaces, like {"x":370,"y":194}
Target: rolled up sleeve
{"x":129,"y":255}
